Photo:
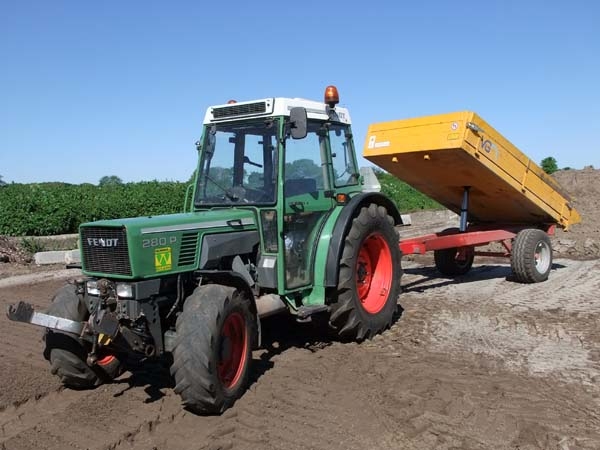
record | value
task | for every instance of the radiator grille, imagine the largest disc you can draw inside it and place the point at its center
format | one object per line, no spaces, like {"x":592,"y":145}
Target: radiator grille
{"x":239,"y":110}
{"x":105,"y":250}
{"x":187,"y":251}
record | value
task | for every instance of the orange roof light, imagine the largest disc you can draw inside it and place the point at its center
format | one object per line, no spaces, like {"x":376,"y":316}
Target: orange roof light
{"x":332,"y":97}
{"x":231,"y":102}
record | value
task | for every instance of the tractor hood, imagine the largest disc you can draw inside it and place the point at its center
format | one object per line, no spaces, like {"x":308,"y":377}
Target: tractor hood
{"x":147,"y":247}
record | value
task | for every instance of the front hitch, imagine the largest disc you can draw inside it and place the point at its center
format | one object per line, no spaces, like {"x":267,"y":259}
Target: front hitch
{"x":24,"y":312}
{"x":102,"y":328}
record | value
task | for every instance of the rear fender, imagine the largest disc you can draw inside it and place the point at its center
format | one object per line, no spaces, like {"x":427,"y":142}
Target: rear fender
{"x":343,"y":224}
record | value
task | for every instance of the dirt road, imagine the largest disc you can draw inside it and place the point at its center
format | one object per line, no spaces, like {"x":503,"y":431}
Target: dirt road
{"x":475,"y":363}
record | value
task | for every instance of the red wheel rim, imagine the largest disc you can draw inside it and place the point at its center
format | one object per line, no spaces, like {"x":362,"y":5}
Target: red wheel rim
{"x":374,"y":271}
{"x":232,"y":351}
{"x":106,"y":360}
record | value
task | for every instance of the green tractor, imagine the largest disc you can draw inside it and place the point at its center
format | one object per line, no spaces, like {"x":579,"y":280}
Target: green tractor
{"x":279,"y":219}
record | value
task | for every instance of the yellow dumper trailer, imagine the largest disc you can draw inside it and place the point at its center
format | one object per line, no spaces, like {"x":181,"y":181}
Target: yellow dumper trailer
{"x":501,"y":195}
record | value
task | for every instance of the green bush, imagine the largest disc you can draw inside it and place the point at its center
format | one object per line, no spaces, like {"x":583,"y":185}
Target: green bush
{"x":32,"y":245}
{"x":57,"y":208}
{"x":549,"y":165}
{"x":407,"y":198}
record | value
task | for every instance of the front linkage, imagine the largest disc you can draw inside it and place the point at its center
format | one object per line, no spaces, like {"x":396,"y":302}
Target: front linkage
{"x":109,"y":328}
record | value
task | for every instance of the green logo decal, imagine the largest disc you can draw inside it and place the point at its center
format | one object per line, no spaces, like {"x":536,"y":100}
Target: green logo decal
{"x":162,"y":259}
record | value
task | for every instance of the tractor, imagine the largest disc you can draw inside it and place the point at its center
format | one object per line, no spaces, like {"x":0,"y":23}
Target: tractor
{"x":279,"y":219}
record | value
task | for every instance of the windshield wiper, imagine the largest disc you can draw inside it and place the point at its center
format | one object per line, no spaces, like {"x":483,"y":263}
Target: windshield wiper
{"x":226,"y":191}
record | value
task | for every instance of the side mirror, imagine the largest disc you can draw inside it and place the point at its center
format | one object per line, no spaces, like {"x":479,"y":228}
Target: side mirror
{"x":298,"y":128}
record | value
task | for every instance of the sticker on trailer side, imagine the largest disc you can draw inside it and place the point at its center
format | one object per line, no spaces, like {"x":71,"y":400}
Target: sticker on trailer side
{"x":373,"y":144}
{"x":489,"y":147}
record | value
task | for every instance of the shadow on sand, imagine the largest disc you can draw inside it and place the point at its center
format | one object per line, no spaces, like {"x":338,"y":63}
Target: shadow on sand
{"x":431,"y":278}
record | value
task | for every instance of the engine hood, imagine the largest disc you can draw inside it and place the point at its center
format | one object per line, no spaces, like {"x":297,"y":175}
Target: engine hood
{"x":146,"y":247}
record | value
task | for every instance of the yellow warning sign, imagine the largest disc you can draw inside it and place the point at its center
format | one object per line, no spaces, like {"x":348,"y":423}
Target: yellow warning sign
{"x":162,"y":259}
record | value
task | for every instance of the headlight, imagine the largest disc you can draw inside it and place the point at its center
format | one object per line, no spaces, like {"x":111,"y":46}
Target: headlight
{"x":91,"y":286}
{"x":124,"y":290}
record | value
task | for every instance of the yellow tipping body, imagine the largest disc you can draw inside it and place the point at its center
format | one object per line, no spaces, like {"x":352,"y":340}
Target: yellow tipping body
{"x":440,"y":155}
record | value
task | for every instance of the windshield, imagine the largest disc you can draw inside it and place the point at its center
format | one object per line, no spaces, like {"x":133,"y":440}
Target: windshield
{"x":239,"y":163}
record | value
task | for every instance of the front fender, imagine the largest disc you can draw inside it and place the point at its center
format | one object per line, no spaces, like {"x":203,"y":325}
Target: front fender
{"x":238,"y":281}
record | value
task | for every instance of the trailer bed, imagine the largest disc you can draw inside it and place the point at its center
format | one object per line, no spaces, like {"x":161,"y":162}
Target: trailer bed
{"x":442,"y":155}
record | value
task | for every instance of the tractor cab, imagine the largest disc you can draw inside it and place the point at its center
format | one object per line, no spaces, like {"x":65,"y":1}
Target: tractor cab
{"x":291,"y":161}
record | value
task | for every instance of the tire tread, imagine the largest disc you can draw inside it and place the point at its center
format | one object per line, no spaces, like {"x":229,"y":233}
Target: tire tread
{"x":347,"y":316}
{"x":198,"y":328}
{"x":522,"y":256}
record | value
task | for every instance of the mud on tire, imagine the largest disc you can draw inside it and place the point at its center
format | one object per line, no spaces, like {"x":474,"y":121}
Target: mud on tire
{"x":369,"y":277}
{"x":67,"y":353}
{"x":212,"y":353}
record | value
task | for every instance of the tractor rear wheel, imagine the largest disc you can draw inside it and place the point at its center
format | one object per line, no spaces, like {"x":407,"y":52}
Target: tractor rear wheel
{"x":212,"y":354}
{"x":68,"y":354}
{"x":369,"y":277}
{"x":531,"y":258}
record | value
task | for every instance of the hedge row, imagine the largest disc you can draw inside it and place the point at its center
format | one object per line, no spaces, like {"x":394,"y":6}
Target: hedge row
{"x":407,"y":199}
{"x":43,"y":209}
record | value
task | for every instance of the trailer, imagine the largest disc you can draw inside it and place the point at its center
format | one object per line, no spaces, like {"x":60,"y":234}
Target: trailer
{"x":501,"y":195}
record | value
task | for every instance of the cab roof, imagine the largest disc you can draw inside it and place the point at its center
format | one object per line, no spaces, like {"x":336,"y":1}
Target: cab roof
{"x":272,"y":107}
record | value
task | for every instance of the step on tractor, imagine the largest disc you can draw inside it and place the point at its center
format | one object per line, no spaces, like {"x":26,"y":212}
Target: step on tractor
{"x":281,"y":219}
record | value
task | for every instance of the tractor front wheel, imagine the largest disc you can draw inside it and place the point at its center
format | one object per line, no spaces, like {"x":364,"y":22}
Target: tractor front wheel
{"x":369,"y":277}
{"x":68,"y":354}
{"x":212,"y":354}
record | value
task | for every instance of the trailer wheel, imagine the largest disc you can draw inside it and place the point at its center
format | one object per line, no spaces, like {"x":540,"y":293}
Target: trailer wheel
{"x":531,"y":258}
{"x":369,"y":277}
{"x":212,"y":354}
{"x":450,"y":262}
{"x":67,"y":353}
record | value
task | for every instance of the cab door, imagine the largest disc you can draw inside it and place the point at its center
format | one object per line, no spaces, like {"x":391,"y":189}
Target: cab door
{"x":307,"y":202}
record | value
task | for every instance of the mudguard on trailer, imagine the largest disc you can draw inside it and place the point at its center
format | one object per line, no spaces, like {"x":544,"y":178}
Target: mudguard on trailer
{"x":343,"y":224}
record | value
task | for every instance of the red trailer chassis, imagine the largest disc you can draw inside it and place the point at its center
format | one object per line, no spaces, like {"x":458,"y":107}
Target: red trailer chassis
{"x":473,"y":236}
{"x":527,"y":245}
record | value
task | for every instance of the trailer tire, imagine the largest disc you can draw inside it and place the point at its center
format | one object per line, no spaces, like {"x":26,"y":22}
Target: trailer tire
{"x":212,"y":354}
{"x":446,"y":261}
{"x":531,"y":257}
{"x":67,"y":353}
{"x":369,"y":276}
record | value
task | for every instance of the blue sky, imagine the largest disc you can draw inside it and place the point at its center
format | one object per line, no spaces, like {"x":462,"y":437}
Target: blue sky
{"x":89,"y":89}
